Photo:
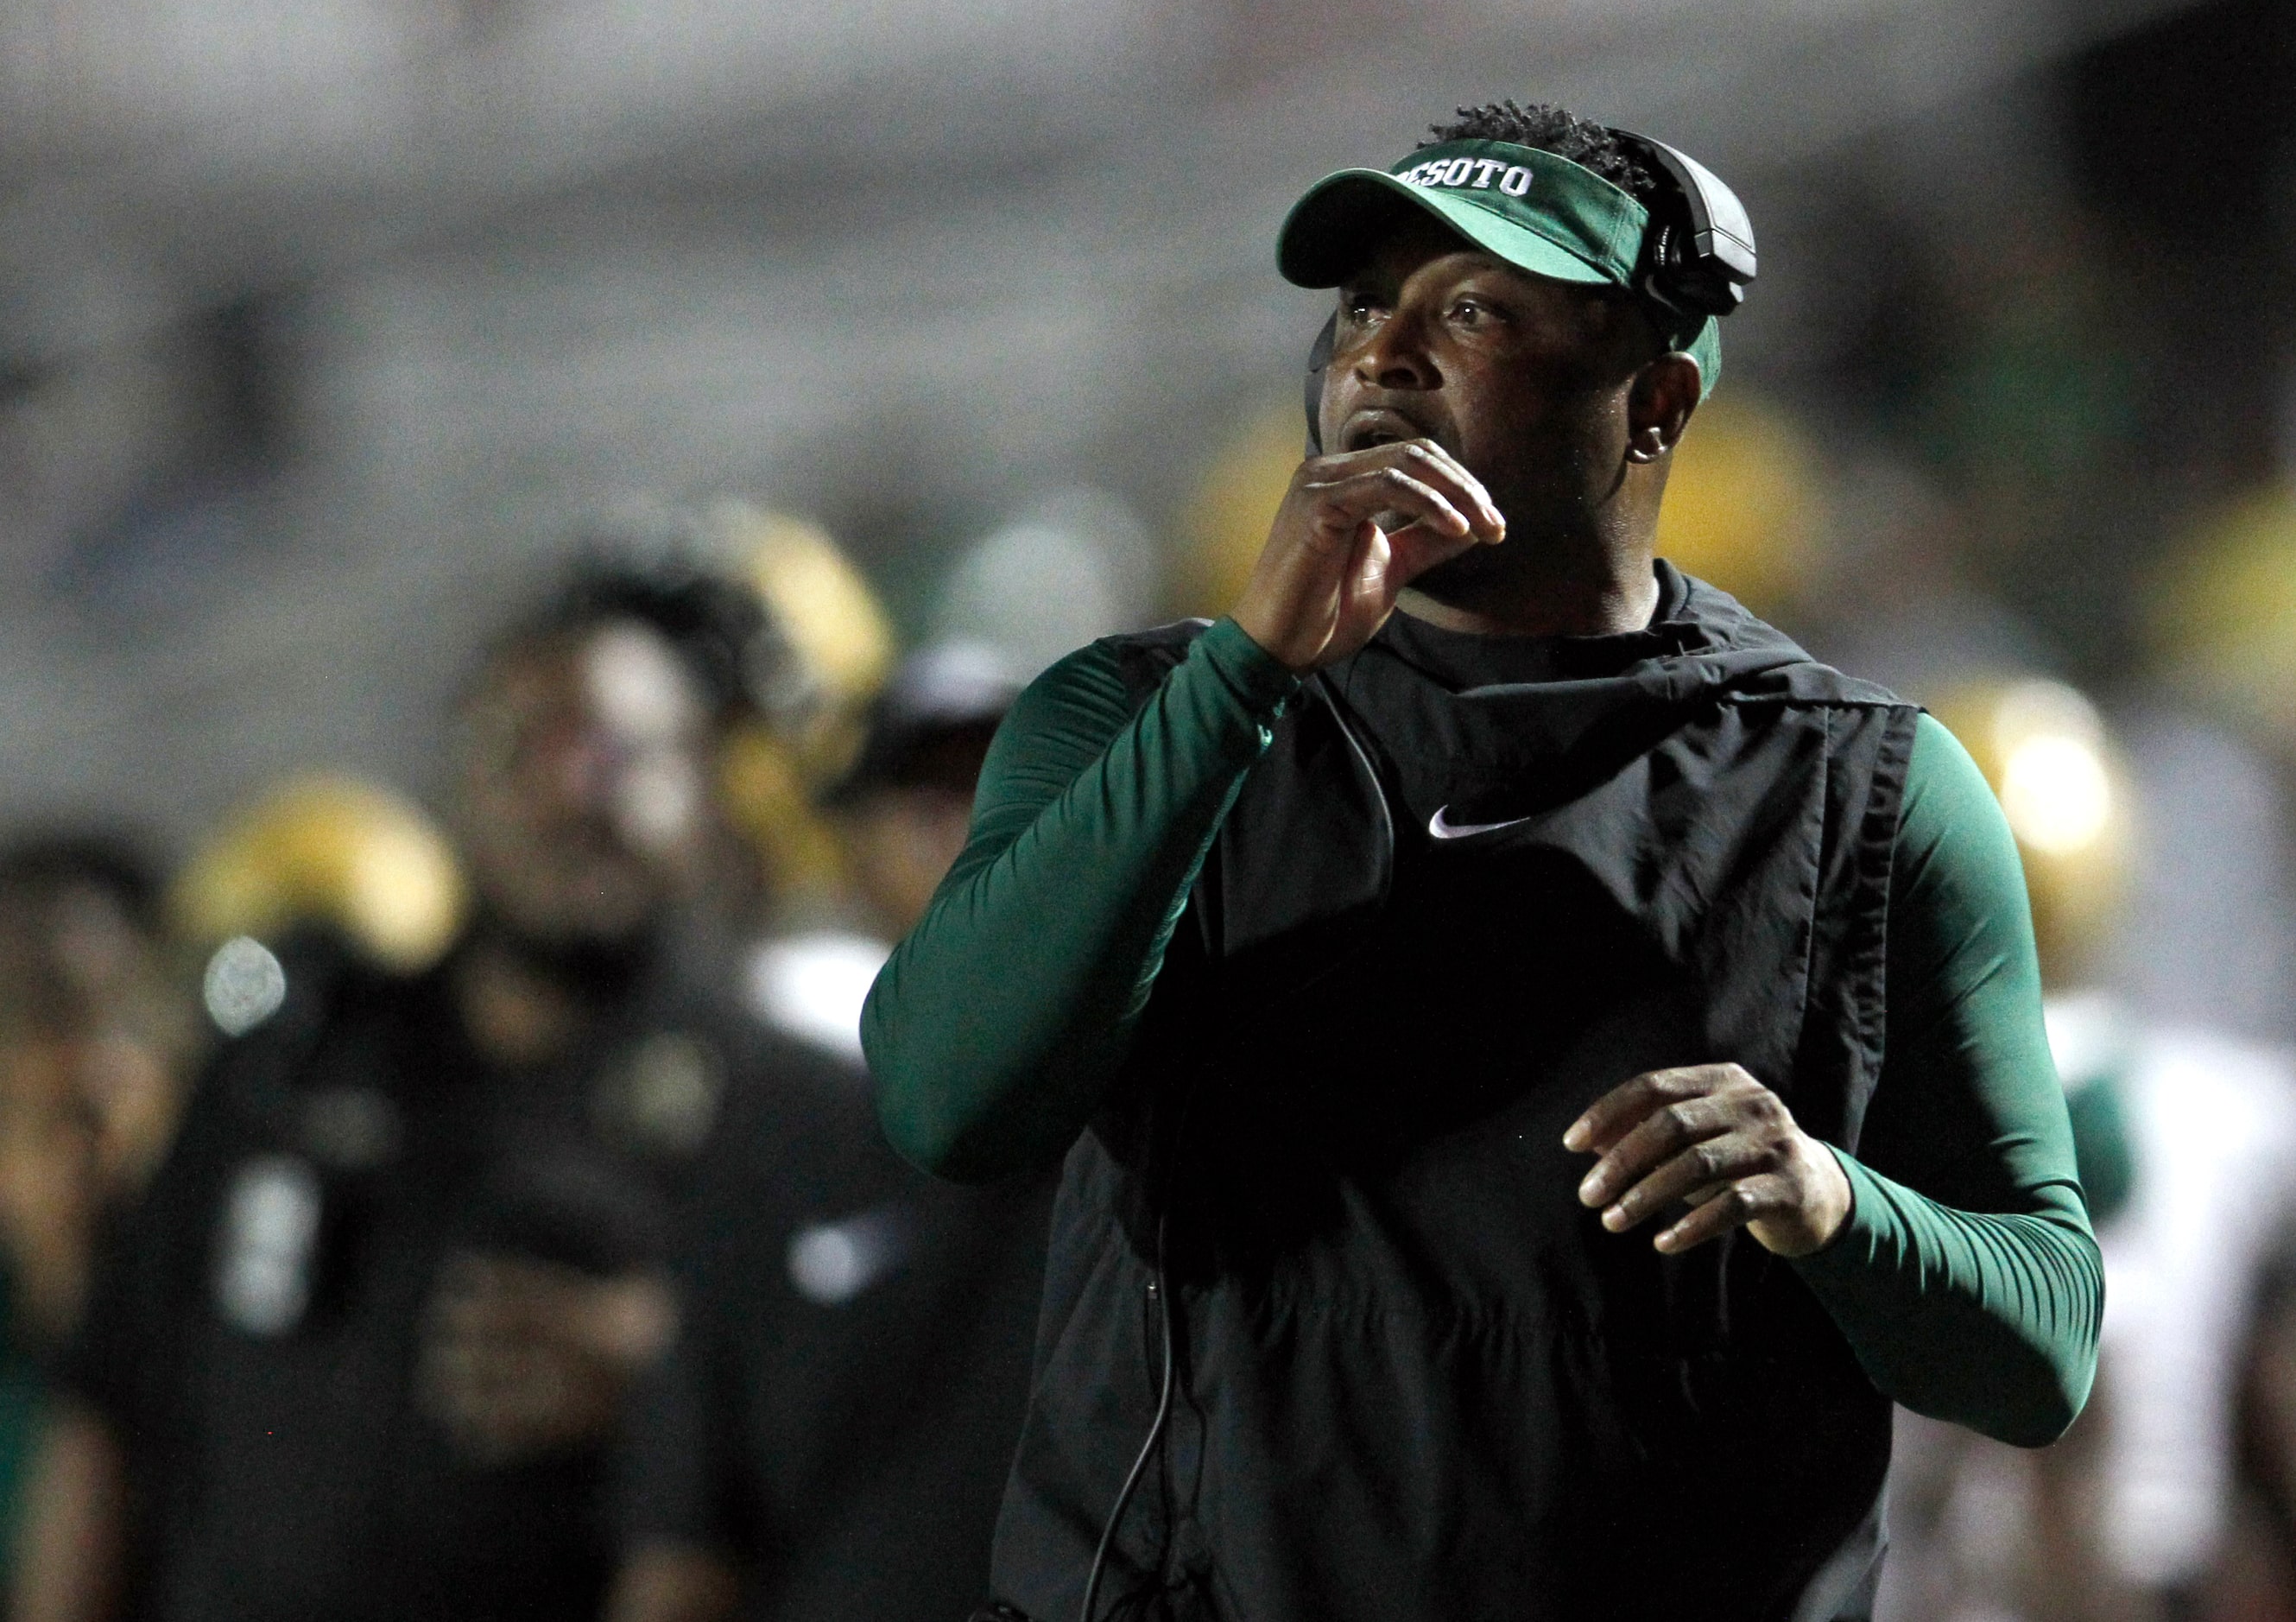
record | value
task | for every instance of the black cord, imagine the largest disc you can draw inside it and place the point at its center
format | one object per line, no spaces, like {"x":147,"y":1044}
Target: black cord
{"x":1161,"y":1290}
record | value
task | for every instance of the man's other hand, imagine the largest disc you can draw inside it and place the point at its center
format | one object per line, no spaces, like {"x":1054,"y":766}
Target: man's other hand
{"x":1714,"y":1137}
{"x":1353,"y":531}
{"x":522,"y":1357}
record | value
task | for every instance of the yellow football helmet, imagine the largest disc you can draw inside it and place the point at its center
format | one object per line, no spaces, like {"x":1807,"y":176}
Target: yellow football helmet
{"x":2044,"y":749}
{"x":833,"y":649}
{"x":2222,"y":617}
{"x":329,"y":850}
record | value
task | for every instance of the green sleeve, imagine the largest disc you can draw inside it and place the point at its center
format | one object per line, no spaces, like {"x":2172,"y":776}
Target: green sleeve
{"x":997,"y":1026}
{"x":1978,"y":1298}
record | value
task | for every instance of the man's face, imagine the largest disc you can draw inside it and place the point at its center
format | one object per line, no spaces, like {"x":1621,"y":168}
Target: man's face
{"x":902,"y":842}
{"x":585,"y":788}
{"x":1526,"y":380}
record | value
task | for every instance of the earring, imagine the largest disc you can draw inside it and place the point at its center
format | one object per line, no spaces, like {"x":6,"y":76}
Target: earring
{"x":1646,"y":445}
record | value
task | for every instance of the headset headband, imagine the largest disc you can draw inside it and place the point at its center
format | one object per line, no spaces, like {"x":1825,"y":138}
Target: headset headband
{"x":1698,"y":256}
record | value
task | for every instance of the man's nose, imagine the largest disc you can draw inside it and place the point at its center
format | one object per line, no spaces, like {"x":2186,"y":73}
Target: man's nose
{"x":1396,"y":357}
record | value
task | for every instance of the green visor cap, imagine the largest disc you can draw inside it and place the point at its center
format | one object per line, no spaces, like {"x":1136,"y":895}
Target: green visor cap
{"x":1541,"y":213}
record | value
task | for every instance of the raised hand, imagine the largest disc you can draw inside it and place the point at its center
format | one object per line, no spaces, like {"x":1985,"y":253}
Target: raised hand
{"x":1714,"y":1137}
{"x":1353,"y":531}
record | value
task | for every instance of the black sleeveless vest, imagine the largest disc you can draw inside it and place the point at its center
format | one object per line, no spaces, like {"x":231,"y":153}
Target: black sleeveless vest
{"x":1416,"y":1381}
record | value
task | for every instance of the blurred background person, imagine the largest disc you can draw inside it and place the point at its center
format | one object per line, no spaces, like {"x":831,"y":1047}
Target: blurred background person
{"x":828,"y":647}
{"x":856,"y":809}
{"x":96,"y":1036}
{"x":363,"y":1352}
{"x":2221,"y":616}
{"x":897,"y":815}
{"x":830,"y":1434}
{"x":903,"y":806}
{"x":2185,"y":1136}
{"x":2255,"y":1579}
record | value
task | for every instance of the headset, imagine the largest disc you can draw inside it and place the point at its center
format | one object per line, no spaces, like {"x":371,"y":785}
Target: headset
{"x":1697,"y":256}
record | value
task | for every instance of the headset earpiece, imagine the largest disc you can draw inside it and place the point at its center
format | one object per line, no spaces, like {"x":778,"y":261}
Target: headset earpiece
{"x":1699,"y":257}
{"x":1319,"y":358}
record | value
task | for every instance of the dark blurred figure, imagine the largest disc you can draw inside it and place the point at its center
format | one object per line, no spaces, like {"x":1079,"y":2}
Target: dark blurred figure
{"x":898,"y":814}
{"x":2182,"y":1135}
{"x":362,"y":1351}
{"x":903,"y":808}
{"x":830,"y":1435}
{"x":96,"y":1033}
{"x":2255,"y":1580}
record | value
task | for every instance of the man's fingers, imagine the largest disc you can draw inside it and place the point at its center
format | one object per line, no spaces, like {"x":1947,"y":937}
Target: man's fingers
{"x":1359,"y":478}
{"x":1423,"y":459}
{"x":1712,"y":1137}
{"x":1660,"y":1135}
{"x":1621,"y":1110}
{"x":1440,"y":468}
{"x":1318,"y":592}
{"x":1700,"y":1173}
{"x":1748,"y":1199}
{"x":1385,"y":493}
{"x":1624,"y":1107}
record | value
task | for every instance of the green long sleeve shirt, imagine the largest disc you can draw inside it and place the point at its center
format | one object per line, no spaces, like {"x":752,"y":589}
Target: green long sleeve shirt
{"x":1966,"y":1279}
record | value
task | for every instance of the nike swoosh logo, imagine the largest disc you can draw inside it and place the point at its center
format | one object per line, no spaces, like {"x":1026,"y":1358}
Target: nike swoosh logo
{"x":1442,"y":827}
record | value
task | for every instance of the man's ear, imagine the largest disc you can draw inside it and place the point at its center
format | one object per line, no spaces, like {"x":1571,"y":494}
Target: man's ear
{"x":1659,"y":404}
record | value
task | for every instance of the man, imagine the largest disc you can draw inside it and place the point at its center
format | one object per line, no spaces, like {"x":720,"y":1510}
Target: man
{"x":374,"y":1326}
{"x":95,"y":1037}
{"x":829,"y":1434}
{"x":1387,"y":976}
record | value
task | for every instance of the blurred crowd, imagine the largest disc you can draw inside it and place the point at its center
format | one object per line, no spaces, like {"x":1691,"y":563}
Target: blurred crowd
{"x":483,"y":1215}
